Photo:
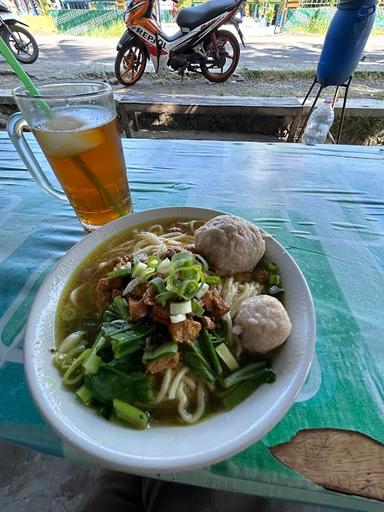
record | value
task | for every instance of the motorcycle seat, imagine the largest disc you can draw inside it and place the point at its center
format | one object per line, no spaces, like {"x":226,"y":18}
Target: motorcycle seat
{"x":192,"y":17}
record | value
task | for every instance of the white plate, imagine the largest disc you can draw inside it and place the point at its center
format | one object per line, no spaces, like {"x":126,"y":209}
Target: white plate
{"x":166,"y":448}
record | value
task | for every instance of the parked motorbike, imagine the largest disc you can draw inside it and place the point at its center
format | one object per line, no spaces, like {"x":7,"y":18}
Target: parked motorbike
{"x":21,"y":43}
{"x":199,"y":46}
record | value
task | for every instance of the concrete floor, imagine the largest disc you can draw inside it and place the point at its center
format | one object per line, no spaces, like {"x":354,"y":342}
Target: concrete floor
{"x":33,"y":482}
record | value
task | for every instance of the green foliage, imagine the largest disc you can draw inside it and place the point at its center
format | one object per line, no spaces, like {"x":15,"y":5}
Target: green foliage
{"x":115,"y":29}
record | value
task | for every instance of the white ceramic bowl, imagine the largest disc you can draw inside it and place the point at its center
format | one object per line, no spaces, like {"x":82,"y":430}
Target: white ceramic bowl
{"x":169,"y":448}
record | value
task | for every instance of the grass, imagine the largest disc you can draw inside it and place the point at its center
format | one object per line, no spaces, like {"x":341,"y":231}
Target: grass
{"x":40,"y":24}
{"x":321,"y":29}
{"x":115,"y":29}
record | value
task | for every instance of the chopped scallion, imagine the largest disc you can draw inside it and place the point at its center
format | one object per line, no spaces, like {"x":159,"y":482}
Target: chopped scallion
{"x":227,"y":356}
{"x":212,"y":279}
{"x":131,"y":414}
{"x":120,"y":272}
{"x":197,"y":309}
{"x":269,"y":265}
{"x":180,"y":308}
{"x":139,"y":269}
{"x":274,"y":279}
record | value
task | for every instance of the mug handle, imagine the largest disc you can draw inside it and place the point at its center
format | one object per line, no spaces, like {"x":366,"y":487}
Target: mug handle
{"x":15,"y":125}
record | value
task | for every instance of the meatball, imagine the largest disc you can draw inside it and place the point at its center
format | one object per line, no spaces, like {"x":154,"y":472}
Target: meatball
{"x":262,"y":324}
{"x":230,"y":244}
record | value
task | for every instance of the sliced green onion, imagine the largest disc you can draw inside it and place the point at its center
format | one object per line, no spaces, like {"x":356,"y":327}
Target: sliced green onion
{"x":163,"y":297}
{"x":132,"y":415}
{"x":182,"y":259}
{"x":74,"y":374}
{"x":175,"y":319}
{"x":71,"y":341}
{"x":197,"y":309}
{"x":203,"y":290}
{"x":68,"y":314}
{"x":148,"y":272}
{"x":153,"y":261}
{"x":203,"y":262}
{"x":138,"y":269}
{"x":120,"y":272}
{"x":269,"y":265}
{"x":274,"y":279}
{"x":212,"y":279}
{"x":165,"y":350}
{"x":165,"y":267}
{"x":227,"y":356}
{"x":158,"y":283}
{"x":180,"y":308}
{"x":84,"y":394}
{"x":131,"y":286}
{"x":92,"y":363}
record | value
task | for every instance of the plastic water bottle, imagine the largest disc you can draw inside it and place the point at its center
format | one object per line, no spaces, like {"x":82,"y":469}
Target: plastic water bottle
{"x":319,"y":124}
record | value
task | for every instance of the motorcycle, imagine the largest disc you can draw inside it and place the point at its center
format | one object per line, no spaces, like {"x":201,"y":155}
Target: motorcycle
{"x":21,"y":43}
{"x":199,"y":46}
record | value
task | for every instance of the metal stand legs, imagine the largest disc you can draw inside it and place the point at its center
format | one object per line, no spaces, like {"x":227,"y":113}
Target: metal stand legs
{"x":346,"y":86}
{"x":343,"y":109}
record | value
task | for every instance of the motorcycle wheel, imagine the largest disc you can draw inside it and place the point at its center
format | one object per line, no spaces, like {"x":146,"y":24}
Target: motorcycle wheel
{"x":216,"y":69}
{"x":130,"y":63}
{"x":22,"y":44}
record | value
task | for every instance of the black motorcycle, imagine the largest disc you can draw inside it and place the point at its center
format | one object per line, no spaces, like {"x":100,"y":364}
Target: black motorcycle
{"x":21,"y":43}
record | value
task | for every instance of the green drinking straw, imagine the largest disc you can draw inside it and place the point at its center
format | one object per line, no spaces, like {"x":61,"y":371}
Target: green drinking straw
{"x":33,"y":90}
{"x":15,"y":65}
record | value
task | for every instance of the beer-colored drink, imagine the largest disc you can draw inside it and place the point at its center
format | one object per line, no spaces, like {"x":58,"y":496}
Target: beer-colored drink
{"x":83,"y":147}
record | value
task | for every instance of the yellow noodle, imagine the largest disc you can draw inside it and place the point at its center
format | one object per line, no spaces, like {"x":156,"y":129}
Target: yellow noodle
{"x":164,"y":386}
{"x":183,"y":401}
{"x":176,"y":382}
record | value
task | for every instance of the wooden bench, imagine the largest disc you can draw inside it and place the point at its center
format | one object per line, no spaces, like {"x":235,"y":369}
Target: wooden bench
{"x":128,"y":105}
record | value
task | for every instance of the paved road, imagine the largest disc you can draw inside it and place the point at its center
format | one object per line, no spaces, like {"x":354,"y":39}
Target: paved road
{"x":65,"y":56}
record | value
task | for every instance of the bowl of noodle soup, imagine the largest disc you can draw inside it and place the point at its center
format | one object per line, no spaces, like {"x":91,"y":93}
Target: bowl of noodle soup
{"x":189,"y":426}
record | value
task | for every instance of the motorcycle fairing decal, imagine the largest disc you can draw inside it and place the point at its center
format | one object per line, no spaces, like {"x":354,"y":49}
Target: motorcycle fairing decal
{"x":155,"y":42}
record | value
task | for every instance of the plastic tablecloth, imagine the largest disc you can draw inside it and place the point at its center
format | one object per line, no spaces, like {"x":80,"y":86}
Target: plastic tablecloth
{"x":325,"y":204}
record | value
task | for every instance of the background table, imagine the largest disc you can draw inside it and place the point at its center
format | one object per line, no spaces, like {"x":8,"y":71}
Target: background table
{"x":325,"y":205}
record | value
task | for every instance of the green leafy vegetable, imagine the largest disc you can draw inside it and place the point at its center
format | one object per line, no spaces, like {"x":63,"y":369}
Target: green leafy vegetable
{"x":165,"y":350}
{"x":208,"y":349}
{"x":126,"y":338}
{"x":195,"y":360}
{"x":248,"y":372}
{"x":121,"y":307}
{"x":110,"y":383}
{"x":240,"y":392}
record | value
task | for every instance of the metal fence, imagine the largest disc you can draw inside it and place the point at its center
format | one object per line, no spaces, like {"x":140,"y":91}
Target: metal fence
{"x":98,"y":5}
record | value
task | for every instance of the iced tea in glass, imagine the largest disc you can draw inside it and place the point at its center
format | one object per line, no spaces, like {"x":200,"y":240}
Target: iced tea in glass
{"x":76,"y":128}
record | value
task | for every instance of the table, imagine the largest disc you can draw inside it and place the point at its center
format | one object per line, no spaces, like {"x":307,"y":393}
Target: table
{"x":325,"y":205}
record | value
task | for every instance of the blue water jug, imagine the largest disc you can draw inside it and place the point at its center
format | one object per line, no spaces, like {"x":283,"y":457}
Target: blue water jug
{"x":345,"y":41}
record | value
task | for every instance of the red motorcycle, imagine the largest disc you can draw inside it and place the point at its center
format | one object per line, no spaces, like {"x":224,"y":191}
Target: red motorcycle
{"x":199,"y":46}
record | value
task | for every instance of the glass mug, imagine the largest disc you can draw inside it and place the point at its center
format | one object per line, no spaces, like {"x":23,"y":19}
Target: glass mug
{"x":75,"y":126}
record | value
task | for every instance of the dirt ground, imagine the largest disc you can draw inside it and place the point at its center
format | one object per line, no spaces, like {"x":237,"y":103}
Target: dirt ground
{"x":255,"y":83}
